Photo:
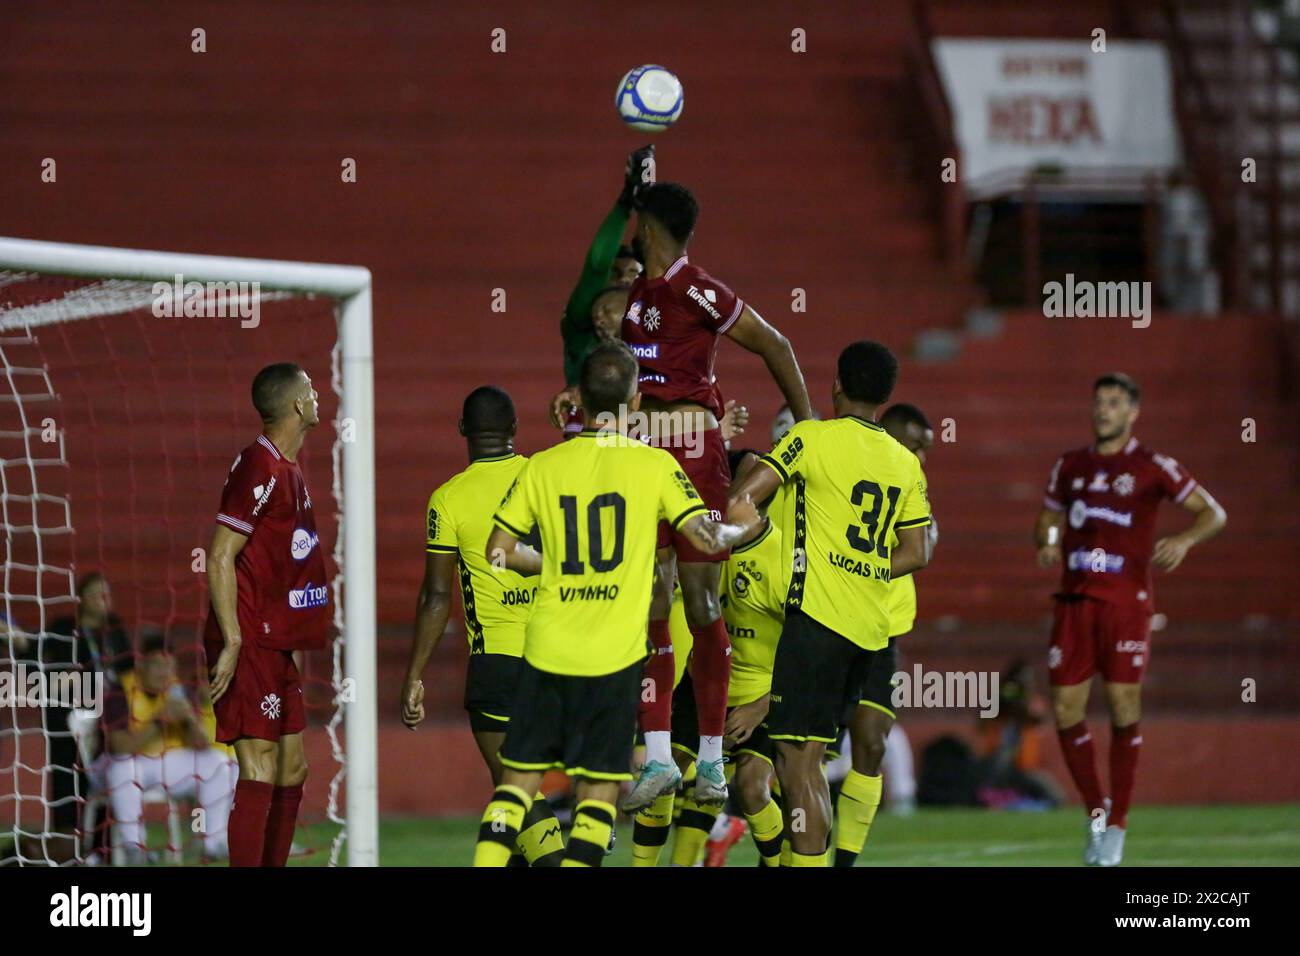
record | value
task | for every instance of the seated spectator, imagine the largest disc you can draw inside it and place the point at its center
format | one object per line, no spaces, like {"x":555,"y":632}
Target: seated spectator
{"x":158,"y":733}
{"x":1011,"y":764}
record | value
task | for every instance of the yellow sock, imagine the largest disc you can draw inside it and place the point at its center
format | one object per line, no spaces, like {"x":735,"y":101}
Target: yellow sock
{"x":539,"y":836}
{"x":693,"y":828}
{"x":650,"y":831}
{"x":855,"y":809}
{"x":800,"y":859}
{"x":499,"y":828}
{"x":593,"y":822}
{"x":766,"y":827}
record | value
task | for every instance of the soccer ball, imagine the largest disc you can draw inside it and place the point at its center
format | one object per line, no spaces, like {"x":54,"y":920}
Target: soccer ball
{"x":649,"y":98}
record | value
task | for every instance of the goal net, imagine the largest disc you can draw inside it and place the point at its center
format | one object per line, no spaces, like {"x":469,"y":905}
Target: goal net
{"x":124,"y":400}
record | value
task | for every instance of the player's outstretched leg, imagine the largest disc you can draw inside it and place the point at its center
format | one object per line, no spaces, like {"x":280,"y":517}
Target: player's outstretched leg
{"x":710,"y":672}
{"x":658,"y":775}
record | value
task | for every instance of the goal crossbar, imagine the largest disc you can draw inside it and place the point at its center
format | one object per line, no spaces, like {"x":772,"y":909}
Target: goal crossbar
{"x":350,"y":286}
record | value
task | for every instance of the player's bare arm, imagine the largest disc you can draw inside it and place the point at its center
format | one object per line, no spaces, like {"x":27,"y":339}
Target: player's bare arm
{"x":743,"y":720}
{"x":912,"y":553}
{"x":752,"y":333}
{"x":1210,"y":519}
{"x":226,"y":545}
{"x":1047,"y":536}
{"x":757,"y":484}
{"x":712,"y":536}
{"x":504,"y":550}
{"x":432,"y":610}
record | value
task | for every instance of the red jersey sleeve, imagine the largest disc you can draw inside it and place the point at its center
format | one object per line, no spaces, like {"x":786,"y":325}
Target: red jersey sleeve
{"x":716,"y":306}
{"x":1052,"y":497}
{"x":1175,"y":480}
{"x":248,"y":488}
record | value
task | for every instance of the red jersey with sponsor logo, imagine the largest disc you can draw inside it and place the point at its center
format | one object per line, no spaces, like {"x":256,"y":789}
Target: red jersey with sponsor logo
{"x":672,"y":326}
{"x":283,"y":592}
{"x":1110,"y":504}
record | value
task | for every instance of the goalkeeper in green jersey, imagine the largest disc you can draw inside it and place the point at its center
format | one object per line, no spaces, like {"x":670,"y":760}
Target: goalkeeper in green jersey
{"x":595,"y":308}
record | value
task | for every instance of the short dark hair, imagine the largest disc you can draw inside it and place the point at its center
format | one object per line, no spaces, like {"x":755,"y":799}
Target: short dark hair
{"x":271,"y":389}
{"x":904,"y":414}
{"x":1119,"y":380}
{"x":488,"y":409}
{"x":608,"y":379}
{"x":625,"y":252}
{"x":152,"y":641}
{"x":673,"y":205}
{"x":868,"y":372}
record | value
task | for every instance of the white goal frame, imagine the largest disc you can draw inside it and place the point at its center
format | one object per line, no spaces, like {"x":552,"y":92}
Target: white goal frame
{"x":350,"y":286}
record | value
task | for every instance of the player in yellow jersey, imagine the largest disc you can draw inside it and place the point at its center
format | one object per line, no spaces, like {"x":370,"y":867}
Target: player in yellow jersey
{"x":496,"y":602}
{"x":852,"y":486}
{"x":597,"y":501}
{"x":873,"y":717}
{"x":753,"y":590}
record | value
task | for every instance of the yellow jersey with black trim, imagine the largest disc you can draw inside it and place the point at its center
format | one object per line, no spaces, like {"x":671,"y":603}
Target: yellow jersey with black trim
{"x":597,"y":500}
{"x":459,"y":521}
{"x":755,"y":580}
{"x":852,"y":486}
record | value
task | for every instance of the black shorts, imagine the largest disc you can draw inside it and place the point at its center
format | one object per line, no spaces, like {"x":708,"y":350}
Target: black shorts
{"x":686,"y":733}
{"x":878,"y":686}
{"x":489,"y":690}
{"x":585,"y":725}
{"x":817,"y":677}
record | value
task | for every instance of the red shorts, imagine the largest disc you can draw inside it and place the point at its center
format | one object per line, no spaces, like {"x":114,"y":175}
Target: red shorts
{"x":264,"y":700}
{"x":1107,"y":636}
{"x":706,"y":465}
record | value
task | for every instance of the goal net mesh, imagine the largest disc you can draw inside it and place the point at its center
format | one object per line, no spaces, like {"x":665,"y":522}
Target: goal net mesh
{"x":117,"y":429}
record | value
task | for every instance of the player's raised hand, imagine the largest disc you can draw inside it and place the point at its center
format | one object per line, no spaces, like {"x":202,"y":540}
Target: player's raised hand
{"x":1169,"y":553}
{"x":565,"y":399}
{"x":223,"y":672}
{"x":640,"y":169}
{"x":734,"y":420}
{"x":413,"y":703}
{"x":1048,"y":555}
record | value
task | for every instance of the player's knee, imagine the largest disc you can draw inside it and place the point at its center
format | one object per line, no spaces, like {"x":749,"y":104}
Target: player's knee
{"x":752,"y":789}
{"x":1068,"y":711}
{"x":869,"y":753}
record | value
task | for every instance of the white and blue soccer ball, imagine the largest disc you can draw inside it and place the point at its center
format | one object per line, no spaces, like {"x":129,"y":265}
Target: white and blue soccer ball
{"x":649,"y":98}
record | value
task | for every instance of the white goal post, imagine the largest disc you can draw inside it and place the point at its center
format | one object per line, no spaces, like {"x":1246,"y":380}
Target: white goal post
{"x":350,"y":287}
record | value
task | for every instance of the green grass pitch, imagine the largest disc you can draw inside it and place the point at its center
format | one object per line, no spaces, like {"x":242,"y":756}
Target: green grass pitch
{"x":1256,"y":835}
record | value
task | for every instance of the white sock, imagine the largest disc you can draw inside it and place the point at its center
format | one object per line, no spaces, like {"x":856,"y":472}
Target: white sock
{"x":658,"y":746}
{"x":710,"y":748}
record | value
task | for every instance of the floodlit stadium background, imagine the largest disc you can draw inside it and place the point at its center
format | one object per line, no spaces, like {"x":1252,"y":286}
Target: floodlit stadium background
{"x":816,"y":171}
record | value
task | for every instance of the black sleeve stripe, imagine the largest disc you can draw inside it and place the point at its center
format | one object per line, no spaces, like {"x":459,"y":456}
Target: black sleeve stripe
{"x":441,"y":549}
{"x":688,"y":513}
{"x":913,"y":523}
{"x":769,"y":460}
{"x":506,"y":525}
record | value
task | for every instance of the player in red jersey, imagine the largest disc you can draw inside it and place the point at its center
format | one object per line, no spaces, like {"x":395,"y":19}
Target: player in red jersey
{"x":1099,"y":518}
{"x":676,"y":312}
{"x":270,"y":598}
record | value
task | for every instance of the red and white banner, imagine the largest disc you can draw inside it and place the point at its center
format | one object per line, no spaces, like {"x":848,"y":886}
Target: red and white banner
{"x":1020,"y":104}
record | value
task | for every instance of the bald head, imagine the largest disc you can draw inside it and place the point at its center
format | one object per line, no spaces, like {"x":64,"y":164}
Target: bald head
{"x":609,"y":377}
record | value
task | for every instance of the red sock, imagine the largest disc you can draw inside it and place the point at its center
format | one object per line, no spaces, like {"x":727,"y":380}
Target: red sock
{"x":1080,"y":757}
{"x":279,"y":825}
{"x":246,"y":831}
{"x":711,"y":673}
{"x":1125,"y":742}
{"x":656,"y":710}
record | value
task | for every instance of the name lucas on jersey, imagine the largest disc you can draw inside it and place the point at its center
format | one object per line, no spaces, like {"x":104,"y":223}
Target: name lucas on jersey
{"x":856,"y":566}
